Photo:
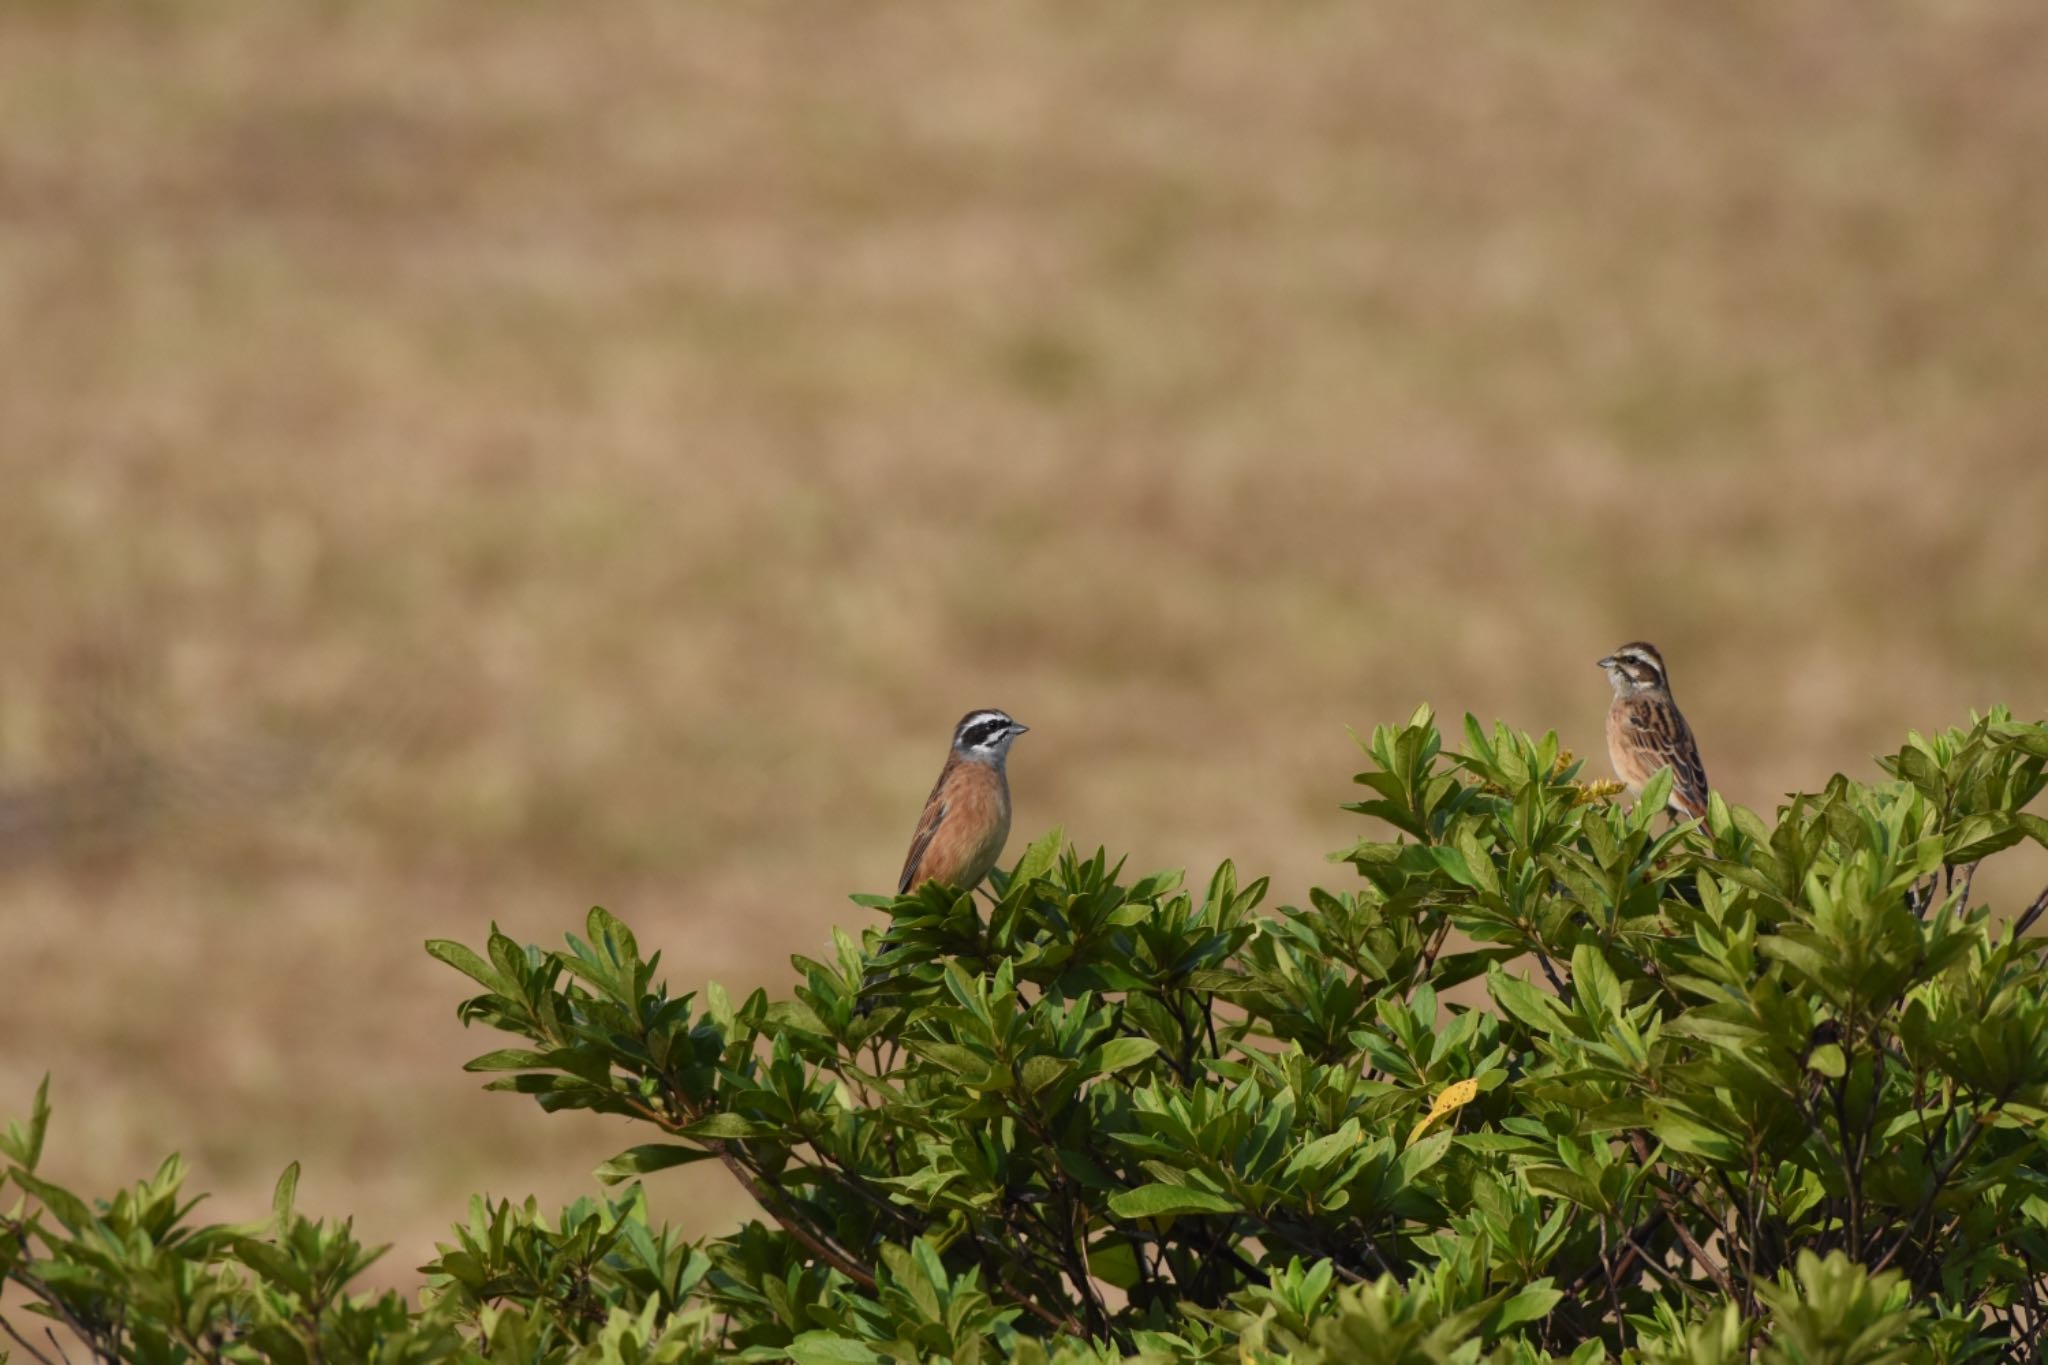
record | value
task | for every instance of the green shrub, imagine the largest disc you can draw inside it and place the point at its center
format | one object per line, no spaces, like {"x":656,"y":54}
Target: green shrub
{"x":1702,"y":1092}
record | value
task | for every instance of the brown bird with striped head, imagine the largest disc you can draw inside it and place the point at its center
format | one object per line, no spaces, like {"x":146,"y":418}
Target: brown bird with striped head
{"x":1646,"y":731}
{"x":966,"y":819}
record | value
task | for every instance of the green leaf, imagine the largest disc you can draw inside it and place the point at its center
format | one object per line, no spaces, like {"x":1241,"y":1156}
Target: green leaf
{"x":281,"y":1197}
{"x":1323,"y":1150}
{"x":1416,"y":1159}
{"x":648,"y":1158}
{"x":1040,"y":857}
{"x":829,"y":1348}
{"x":609,"y":932}
{"x":1597,"y":987}
{"x":1570,"y":1184}
{"x":466,"y":961}
{"x":71,"y":1211}
{"x":1684,"y":1135}
{"x":1115,"y":1263}
{"x":1116,"y":1054}
{"x":728,"y":1128}
{"x":24,"y":1146}
{"x":1040,"y":1072}
{"x":1536,"y":1008}
{"x":1454,"y":866}
{"x":509,"y":1059}
{"x":1532,"y":1303}
{"x":1656,"y":794}
{"x":1160,"y":1201}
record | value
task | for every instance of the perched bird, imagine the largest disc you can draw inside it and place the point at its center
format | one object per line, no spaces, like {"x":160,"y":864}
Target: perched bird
{"x":967,"y":817}
{"x":1645,"y":730}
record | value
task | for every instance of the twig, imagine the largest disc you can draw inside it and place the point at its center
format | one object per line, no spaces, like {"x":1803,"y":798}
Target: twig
{"x":1310,"y":1247}
{"x":1429,"y":954}
{"x":2018,"y":1350}
{"x":1663,"y":1272}
{"x":1074,"y":1248}
{"x":1633,"y":1239}
{"x":836,"y":1257}
{"x":2021,"y":1346}
{"x":848,"y":1179}
{"x":37,"y":1286}
{"x":1969,"y":876}
{"x":1613,"y":1290}
{"x":2032,"y":913}
{"x":23,"y":1342}
{"x":1934,"y":1187}
{"x":1693,"y":1249}
{"x":825,"y":1251}
{"x":1756,"y":1228}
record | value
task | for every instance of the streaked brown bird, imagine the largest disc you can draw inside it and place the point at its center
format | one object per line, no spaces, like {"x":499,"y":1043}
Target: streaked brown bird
{"x":966,"y":819}
{"x":1646,"y":731}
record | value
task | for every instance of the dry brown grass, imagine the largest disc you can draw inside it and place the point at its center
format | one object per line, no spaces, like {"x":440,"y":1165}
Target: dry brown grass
{"x":659,"y":422}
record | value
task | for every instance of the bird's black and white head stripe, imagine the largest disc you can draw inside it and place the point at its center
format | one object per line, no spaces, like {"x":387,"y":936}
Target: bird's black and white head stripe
{"x":985,"y":734}
{"x":1638,"y":662}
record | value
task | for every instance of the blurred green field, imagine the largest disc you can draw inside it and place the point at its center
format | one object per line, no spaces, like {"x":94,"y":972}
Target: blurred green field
{"x":628,"y":436}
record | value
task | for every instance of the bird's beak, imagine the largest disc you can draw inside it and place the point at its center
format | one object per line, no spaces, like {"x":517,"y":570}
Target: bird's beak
{"x":1017,"y":729}
{"x":1607,"y":662}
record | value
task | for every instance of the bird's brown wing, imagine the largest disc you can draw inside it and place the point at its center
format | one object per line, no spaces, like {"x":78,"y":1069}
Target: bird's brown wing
{"x":1689,"y":791}
{"x":927,"y":827}
{"x":1661,"y":738}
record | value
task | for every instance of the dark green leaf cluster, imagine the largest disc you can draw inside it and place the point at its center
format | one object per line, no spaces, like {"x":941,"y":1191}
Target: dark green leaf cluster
{"x":1545,"y":1081}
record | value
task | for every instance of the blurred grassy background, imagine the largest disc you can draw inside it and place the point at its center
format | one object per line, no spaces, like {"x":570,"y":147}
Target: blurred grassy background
{"x":630,"y":434}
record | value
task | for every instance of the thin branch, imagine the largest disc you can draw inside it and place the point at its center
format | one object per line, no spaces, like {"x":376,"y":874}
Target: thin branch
{"x":1693,"y":1249}
{"x":1310,"y":1247}
{"x":1969,"y":876}
{"x":824,"y":1250}
{"x":23,"y":1342}
{"x":1632,"y":1240}
{"x":1941,"y":1176}
{"x":1305,"y":1240}
{"x":1650,"y":1263}
{"x":1074,"y":1249}
{"x":2021,"y":1346}
{"x":1756,"y":1228}
{"x":1048,"y":1267}
{"x":2031,"y":913}
{"x":39,"y":1287}
{"x":848,"y":1179}
{"x":1072,"y":1239}
{"x":1619,"y":1268}
{"x":834,"y":1256}
{"x":1607,"y":1265}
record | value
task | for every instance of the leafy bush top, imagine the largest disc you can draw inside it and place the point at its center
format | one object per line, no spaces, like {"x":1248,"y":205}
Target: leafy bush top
{"x":1543,"y":1081}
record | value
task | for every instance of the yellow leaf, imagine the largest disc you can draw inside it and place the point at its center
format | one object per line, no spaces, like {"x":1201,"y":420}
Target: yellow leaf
{"x":1453,"y":1098}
